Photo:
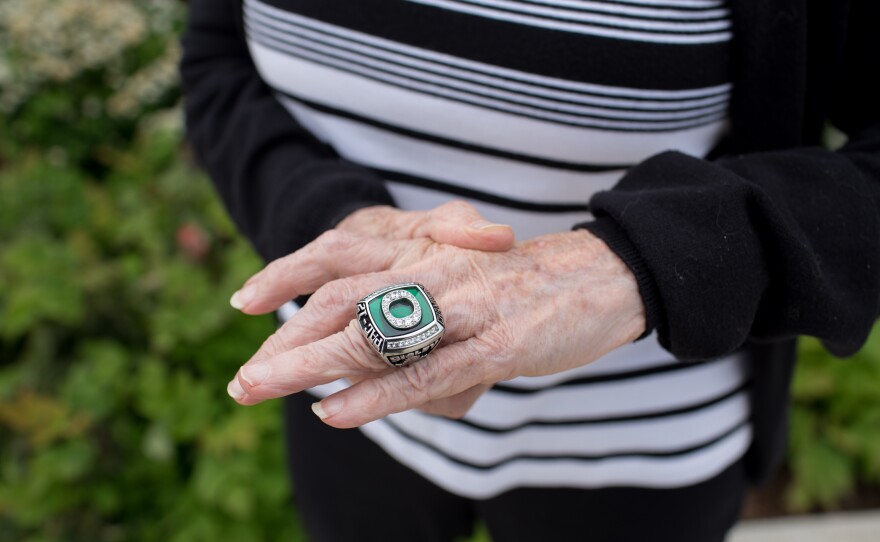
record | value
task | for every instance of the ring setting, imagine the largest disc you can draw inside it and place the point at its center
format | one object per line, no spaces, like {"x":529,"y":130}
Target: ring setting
{"x":402,"y":322}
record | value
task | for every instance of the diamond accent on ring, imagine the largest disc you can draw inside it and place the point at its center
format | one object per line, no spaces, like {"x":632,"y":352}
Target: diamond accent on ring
{"x":407,"y":321}
{"x":431,"y":331}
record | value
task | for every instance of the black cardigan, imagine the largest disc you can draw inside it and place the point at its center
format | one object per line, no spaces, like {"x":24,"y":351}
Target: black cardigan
{"x":768,"y":238}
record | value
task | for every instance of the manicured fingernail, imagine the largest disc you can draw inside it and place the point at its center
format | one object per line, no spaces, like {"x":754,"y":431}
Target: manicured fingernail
{"x":329,"y":406}
{"x":485,"y":224}
{"x":235,"y":390}
{"x":242,"y":298}
{"x":255,"y":374}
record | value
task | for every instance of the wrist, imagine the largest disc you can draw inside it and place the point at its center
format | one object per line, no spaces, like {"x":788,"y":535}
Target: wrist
{"x":616,"y":281}
{"x":616,"y":240}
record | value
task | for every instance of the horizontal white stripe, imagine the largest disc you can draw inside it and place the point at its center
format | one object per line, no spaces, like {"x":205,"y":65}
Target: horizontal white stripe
{"x":663,"y":10}
{"x":688,"y":24}
{"x":661,"y":392}
{"x":662,"y":472}
{"x":660,"y":435}
{"x":480,"y":67}
{"x":575,"y":28}
{"x":261,"y":25}
{"x":374,"y":147}
{"x":406,"y":84}
{"x":677,"y":3}
{"x":475,"y":125}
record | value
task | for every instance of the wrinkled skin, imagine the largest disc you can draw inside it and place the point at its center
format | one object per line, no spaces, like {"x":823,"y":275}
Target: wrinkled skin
{"x":534,"y":308}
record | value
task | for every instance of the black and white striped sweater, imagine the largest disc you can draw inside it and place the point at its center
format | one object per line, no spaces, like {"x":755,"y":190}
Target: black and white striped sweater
{"x":535,"y":111}
{"x":499,"y":103}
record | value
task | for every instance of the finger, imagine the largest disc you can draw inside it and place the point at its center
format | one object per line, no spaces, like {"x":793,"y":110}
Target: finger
{"x":373,"y":220}
{"x":288,"y":362}
{"x":446,"y":371}
{"x":455,"y":406}
{"x":327,"y":311}
{"x":460,"y":223}
{"x":333,"y":306}
{"x":333,"y":255}
{"x":342,"y":354}
{"x":456,"y":223}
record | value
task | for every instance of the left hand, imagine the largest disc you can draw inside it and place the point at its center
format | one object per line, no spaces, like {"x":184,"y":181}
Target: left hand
{"x":549,"y":304}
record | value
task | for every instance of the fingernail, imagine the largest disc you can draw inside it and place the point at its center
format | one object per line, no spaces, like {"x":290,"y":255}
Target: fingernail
{"x":330,"y":406}
{"x":485,"y":224}
{"x":242,"y":298}
{"x":235,"y":390}
{"x":255,"y":374}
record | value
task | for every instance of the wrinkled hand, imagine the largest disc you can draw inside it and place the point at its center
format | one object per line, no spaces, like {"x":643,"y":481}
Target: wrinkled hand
{"x":455,"y":223}
{"x":549,"y":304}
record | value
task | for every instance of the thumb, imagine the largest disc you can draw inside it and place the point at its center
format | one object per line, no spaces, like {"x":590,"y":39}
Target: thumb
{"x":459,"y":223}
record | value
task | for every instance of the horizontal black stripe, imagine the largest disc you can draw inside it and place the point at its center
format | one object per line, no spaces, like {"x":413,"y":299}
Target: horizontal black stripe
{"x":610,"y":419}
{"x":621,"y":26}
{"x":658,"y":16}
{"x":668,"y":17}
{"x":674,"y":7}
{"x":531,"y":457}
{"x":564,"y":55}
{"x":613,"y":377}
{"x":261,"y":30}
{"x":284,"y":25}
{"x":479,"y":195}
{"x":592,"y":121}
{"x":454,"y":143}
{"x":504,"y":105}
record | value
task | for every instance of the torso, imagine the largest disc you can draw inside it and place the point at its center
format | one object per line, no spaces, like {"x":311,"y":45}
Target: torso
{"x":525,"y":108}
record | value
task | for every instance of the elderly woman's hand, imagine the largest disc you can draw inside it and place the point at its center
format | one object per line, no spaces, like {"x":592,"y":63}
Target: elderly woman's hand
{"x":547,"y":305}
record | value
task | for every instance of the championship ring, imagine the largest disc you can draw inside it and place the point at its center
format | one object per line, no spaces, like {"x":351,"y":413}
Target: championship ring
{"x":402,"y":322}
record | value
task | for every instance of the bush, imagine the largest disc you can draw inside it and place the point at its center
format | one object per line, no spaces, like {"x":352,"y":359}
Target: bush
{"x":116,"y":261}
{"x":834,"y":440}
{"x":117,"y":343}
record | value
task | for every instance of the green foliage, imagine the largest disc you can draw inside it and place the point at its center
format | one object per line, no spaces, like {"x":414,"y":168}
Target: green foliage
{"x":834,"y":439}
{"x":116,"y":263}
{"x":117,"y":342}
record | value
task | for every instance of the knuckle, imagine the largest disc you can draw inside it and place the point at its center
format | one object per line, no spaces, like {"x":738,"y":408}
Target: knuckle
{"x":274,"y":270}
{"x":309,"y":361}
{"x":275,"y":343}
{"x":377,"y":395}
{"x":356,"y":347}
{"x":332,"y":296}
{"x":334,"y":239}
{"x":497,"y":360}
{"x":419,"y":378}
{"x":457,"y":206}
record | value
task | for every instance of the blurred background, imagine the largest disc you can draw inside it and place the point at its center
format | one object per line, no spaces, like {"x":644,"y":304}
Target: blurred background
{"x":117,"y":340}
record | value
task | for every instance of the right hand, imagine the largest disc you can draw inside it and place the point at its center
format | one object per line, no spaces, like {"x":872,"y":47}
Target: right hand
{"x":454,"y":223}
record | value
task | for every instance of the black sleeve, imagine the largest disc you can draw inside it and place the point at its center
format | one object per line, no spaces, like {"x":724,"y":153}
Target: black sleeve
{"x":764,"y":245}
{"x":281,"y":185}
